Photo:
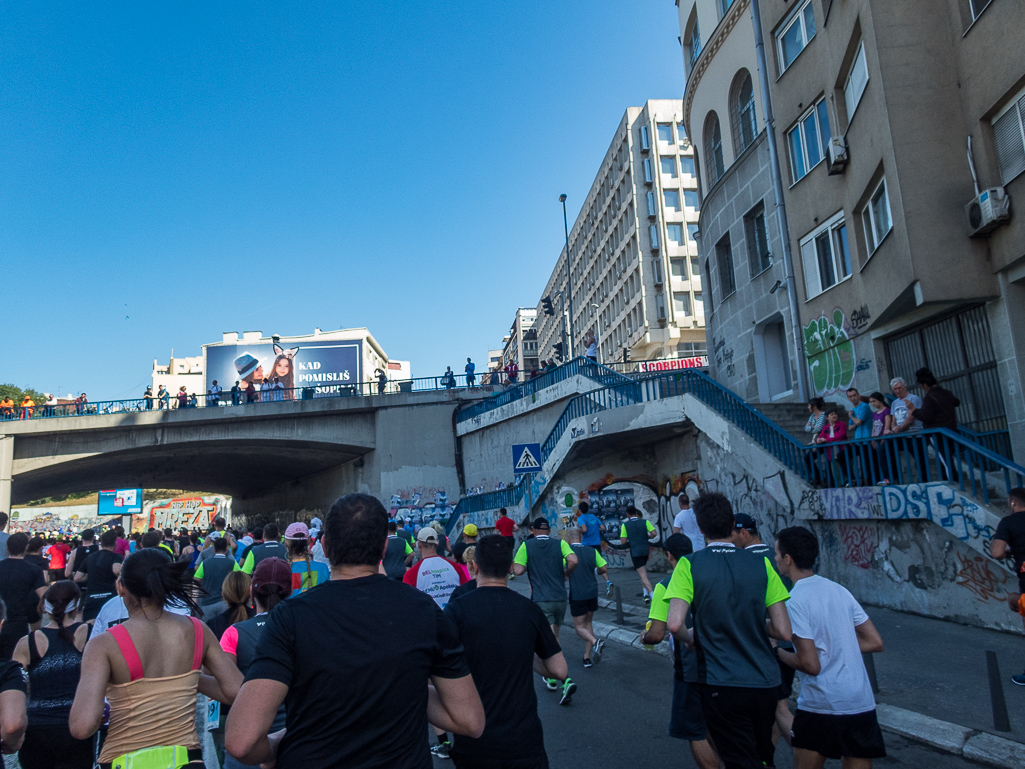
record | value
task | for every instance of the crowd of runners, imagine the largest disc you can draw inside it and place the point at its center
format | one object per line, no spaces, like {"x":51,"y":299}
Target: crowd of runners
{"x":337,"y":643}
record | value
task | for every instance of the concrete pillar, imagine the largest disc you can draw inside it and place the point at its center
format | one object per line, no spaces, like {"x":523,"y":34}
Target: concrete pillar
{"x":6,"y":471}
{"x":1007,"y":327}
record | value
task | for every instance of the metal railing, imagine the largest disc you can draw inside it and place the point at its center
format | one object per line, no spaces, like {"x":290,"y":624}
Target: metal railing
{"x":582,"y":366}
{"x":228,"y":399}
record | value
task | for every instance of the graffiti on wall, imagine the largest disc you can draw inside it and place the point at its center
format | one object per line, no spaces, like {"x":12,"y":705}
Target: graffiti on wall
{"x":420,"y":504}
{"x":937,"y":502}
{"x":977,"y":575}
{"x":846,"y":504}
{"x":180,"y":512}
{"x":830,"y":353}
{"x":859,"y":543}
{"x":724,"y":357}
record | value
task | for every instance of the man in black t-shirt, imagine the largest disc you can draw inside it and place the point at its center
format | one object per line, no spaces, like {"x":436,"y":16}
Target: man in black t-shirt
{"x":361,"y":662}
{"x":1009,"y":542}
{"x":99,"y":571}
{"x":22,"y":584}
{"x":80,"y":553}
{"x":499,"y":625}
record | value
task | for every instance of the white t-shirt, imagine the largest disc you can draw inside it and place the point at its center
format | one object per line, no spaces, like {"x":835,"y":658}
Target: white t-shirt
{"x":687,"y":523}
{"x":113,"y":612}
{"x":899,"y":410}
{"x":826,"y":613}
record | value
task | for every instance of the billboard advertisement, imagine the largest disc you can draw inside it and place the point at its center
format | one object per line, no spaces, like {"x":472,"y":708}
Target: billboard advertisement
{"x":324,"y":364}
{"x":675,"y":364}
{"x":120,"y":502}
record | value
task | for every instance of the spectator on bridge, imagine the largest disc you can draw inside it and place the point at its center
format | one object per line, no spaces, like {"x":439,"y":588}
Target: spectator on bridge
{"x":183,"y":398}
{"x":28,"y":407}
{"x":7,"y":408}
{"x":470,"y":370}
{"x":448,"y":379}
{"x":939,"y":409}
{"x":81,"y":404}
{"x":342,"y":637}
{"x":265,"y":388}
{"x":591,"y":347}
{"x":382,"y":380}
{"x":277,"y":390}
{"x":51,"y":405}
{"x":252,"y":394}
{"x":163,"y":397}
{"x":147,"y":398}
{"x":236,"y":394}
{"x":512,"y":371}
{"x":213,"y":395}
{"x":835,"y":431}
{"x":816,"y":417}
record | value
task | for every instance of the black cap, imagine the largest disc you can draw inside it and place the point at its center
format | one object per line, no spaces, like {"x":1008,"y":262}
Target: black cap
{"x":744,"y":521}
{"x":540,"y":524}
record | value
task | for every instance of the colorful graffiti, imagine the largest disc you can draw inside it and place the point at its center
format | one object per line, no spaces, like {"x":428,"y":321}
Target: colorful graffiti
{"x":420,"y":505}
{"x":976,"y":575}
{"x":859,"y":543}
{"x":938,"y":503}
{"x":830,"y":353}
{"x":181,"y":512}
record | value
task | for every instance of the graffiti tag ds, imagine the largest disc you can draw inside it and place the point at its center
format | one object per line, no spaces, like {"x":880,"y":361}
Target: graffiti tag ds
{"x":830,"y":353}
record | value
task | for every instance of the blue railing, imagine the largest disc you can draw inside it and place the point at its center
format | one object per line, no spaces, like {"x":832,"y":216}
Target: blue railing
{"x":491,"y":500}
{"x":582,"y":366}
{"x":244,"y":398}
{"x":997,"y":441}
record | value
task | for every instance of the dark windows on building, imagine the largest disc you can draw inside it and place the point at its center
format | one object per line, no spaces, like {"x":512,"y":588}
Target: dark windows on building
{"x":713,"y":149}
{"x":724,"y":263}
{"x":742,"y":112}
{"x":757,"y":240}
{"x":826,"y":256}
{"x":1009,"y":136}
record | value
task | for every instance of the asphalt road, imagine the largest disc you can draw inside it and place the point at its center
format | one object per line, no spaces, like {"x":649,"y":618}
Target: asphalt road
{"x":619,"y":718}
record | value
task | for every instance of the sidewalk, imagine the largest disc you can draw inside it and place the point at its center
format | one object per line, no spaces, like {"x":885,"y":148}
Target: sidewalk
{"x":930,"y":667}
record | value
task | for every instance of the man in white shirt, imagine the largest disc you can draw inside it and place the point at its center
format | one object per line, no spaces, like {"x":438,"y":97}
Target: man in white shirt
{"x":687,"y":524}
{"x":214,"y":394}
{"x":836,"y":710}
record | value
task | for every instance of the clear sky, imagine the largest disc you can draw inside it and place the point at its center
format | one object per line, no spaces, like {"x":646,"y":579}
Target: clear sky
{"x":173,"y":170}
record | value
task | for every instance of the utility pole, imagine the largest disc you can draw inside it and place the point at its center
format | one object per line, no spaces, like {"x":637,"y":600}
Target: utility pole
{"x":569,"y":281}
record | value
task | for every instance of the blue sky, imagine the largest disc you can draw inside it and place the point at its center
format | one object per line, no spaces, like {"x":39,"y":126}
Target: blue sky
{"x":170,"y":171}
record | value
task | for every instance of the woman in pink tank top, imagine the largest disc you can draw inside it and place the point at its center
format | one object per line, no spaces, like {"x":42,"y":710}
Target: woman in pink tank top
{"x":149,"y":669}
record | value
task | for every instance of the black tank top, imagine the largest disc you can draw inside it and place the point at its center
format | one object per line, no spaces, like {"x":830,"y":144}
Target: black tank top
{"x":53,"y":678}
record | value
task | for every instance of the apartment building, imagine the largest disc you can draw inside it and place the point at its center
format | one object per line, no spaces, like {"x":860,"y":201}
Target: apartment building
{"x":634,"y":272}
{"x":908,"y":256}
{"x":520,"y":344}
{"x":749,"y":310}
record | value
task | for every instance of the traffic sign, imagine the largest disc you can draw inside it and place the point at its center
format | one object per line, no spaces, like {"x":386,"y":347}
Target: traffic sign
{"x":526,"y":458}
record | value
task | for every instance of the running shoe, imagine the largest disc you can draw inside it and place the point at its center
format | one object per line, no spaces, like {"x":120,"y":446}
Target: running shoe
{"x":568,"y":689}
{"x":597,"y":649}
{"x":587,"y":662}
{"x":1020,"y":680}
{"x":608,"y":589}
{"x":441,"y":750}
{"x":552,"y":684}
{"x":647,"y":598}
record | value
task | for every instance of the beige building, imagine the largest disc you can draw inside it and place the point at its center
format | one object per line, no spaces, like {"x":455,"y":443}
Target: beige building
{"x":178,"y":372}
{"x":635,"y":274}
{"x":520,"y":344}
{"x":904,"y":260}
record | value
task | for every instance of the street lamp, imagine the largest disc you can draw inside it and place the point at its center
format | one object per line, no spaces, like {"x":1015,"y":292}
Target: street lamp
{"x":569,"y":279}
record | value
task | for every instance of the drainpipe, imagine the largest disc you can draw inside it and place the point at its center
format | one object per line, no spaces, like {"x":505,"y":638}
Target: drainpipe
{"x":781,"y":206}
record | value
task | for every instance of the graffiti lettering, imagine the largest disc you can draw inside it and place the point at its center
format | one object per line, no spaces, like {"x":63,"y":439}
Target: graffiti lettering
{"x":976,"y":575}
{"x":724,"y":357}
{"x":845,"y":504}
{"x":859,"y":543}
{"x":830,"y":353}
{"x":864,"y":364}
{"x":860,"y":318}
{"x":940,"y":504}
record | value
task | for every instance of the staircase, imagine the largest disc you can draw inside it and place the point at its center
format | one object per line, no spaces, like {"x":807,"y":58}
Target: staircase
{"x":791,"y":417}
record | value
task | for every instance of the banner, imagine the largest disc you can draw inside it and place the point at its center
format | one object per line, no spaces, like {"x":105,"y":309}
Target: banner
{"x":674,"y":364}
{"x":120,"y":502}
{"x":325,"y":364}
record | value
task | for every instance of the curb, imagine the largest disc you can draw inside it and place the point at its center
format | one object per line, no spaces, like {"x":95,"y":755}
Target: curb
{"x":979,"y":746}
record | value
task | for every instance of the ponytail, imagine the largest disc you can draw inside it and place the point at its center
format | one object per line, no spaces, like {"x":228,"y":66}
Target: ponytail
{"x":235,"y":592}
{"x":150,"y":575}
{"x":270,"y":595}
{"x":60,"y":599}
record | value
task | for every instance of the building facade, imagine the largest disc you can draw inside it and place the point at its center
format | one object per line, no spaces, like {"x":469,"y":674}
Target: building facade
{"x":752,"y":346}
{"x":520,"y":344}
{"x":875,"y":105}
{"x":635,"y":276}
{"x":178,"y":372}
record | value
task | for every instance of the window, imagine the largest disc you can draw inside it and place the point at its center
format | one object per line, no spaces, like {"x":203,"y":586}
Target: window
{"x":876,"y":217}
{"x":687,"y":167}
{"x":681,"y":132}
{"x":856,"y":82}
{"x":1009,"y":135}
{"x":648,"y":178}
{"x":672,"y":199}
{"x":757,"y":240}
{"x":678,"y":267}
{"x":665,"y":132}
{"x":742,"y":112}
{"x":808,"y":141}
{"x":695,"y":269}
{"x":699,"y":304}
{"x":713,"y":149}
{"x":645,"y":141}
{"x":826,"y":256}
{"x":690,"y":199}
{"x":649,"y":203}
{"x":668,"y":167}
{"x":681,"y":304}
{"x":692,"y":43}
{"x":724,"y":5}
{"x":977,"y":7}
{"x":688,"y":349}
{"x":724,"y":261}
{"x":653,"y":236}
{"x":692,"y":232}
{"x":796,"y":32}
{"x":675,"y":234}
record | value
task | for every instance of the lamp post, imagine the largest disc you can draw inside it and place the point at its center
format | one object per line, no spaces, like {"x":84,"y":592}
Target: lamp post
{"x":569,"y":281}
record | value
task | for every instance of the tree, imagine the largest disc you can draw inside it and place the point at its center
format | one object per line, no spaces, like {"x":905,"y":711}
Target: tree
{"x":17,"y":394}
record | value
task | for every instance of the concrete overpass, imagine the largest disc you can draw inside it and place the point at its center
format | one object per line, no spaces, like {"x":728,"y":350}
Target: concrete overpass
{"x":268,"y":456}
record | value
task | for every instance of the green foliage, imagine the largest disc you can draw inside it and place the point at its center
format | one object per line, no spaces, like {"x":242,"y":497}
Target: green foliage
{"x":17,"y":394}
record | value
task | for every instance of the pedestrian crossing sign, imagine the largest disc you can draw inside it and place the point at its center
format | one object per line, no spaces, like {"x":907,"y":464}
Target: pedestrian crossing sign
{"x":526,"y":458}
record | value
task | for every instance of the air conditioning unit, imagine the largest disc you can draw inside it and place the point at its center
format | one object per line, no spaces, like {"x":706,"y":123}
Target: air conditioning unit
{"x":649,"y":198}
{"x":987,"y":212}
{"x":656,"y":271}
{"x":837,"y":152}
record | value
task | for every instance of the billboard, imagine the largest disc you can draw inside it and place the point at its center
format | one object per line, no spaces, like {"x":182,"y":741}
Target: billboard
{"x":120,"y":502}
{"x":324,"y":364}
{"x":675,"y":364}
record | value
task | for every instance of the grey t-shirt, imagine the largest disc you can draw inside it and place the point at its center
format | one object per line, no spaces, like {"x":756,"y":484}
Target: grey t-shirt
{"x":544,"y":558}
{"x":582,"y":584}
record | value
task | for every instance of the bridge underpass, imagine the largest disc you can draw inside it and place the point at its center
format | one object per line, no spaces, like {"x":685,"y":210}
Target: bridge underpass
{"x":297,"y":455}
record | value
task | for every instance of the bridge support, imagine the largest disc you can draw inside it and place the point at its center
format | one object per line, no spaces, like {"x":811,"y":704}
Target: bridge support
{"x":6,"y":471}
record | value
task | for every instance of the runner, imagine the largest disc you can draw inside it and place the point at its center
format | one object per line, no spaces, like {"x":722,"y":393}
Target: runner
{"x":211,"y":574}
{"x":638,"y":533}
{"x":730,"y":590}
{"x":471,"y":566}
{"x":271,"y":548}
{"x":80,"y":553}
{"x":685,"y":523}
{"x":235,"y":594}
{"x":306,"y":572}
{"x":21,"y":586}
{"x":583,"y":595}
{"x":686,"y":720}
{"x":398,"y":555}
{"x":171,"y":542}
{"x":547,"y":563}
{"x":434,"y":575}
{"x":469,"y":538}
{"x":99,"y":572}
{"x":836,"y":710}
{"x":589,"y":525}
{"x":255,"y":541}
{"x":52,"y":658}
{"x":58,"y":555}
{"x":149,"y":670}
{"x":505,"y":525}
{"x":13,"y":718}
{"x":358,"y":685}
{"x":220,"y":530}
{"x":496,"y":623}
